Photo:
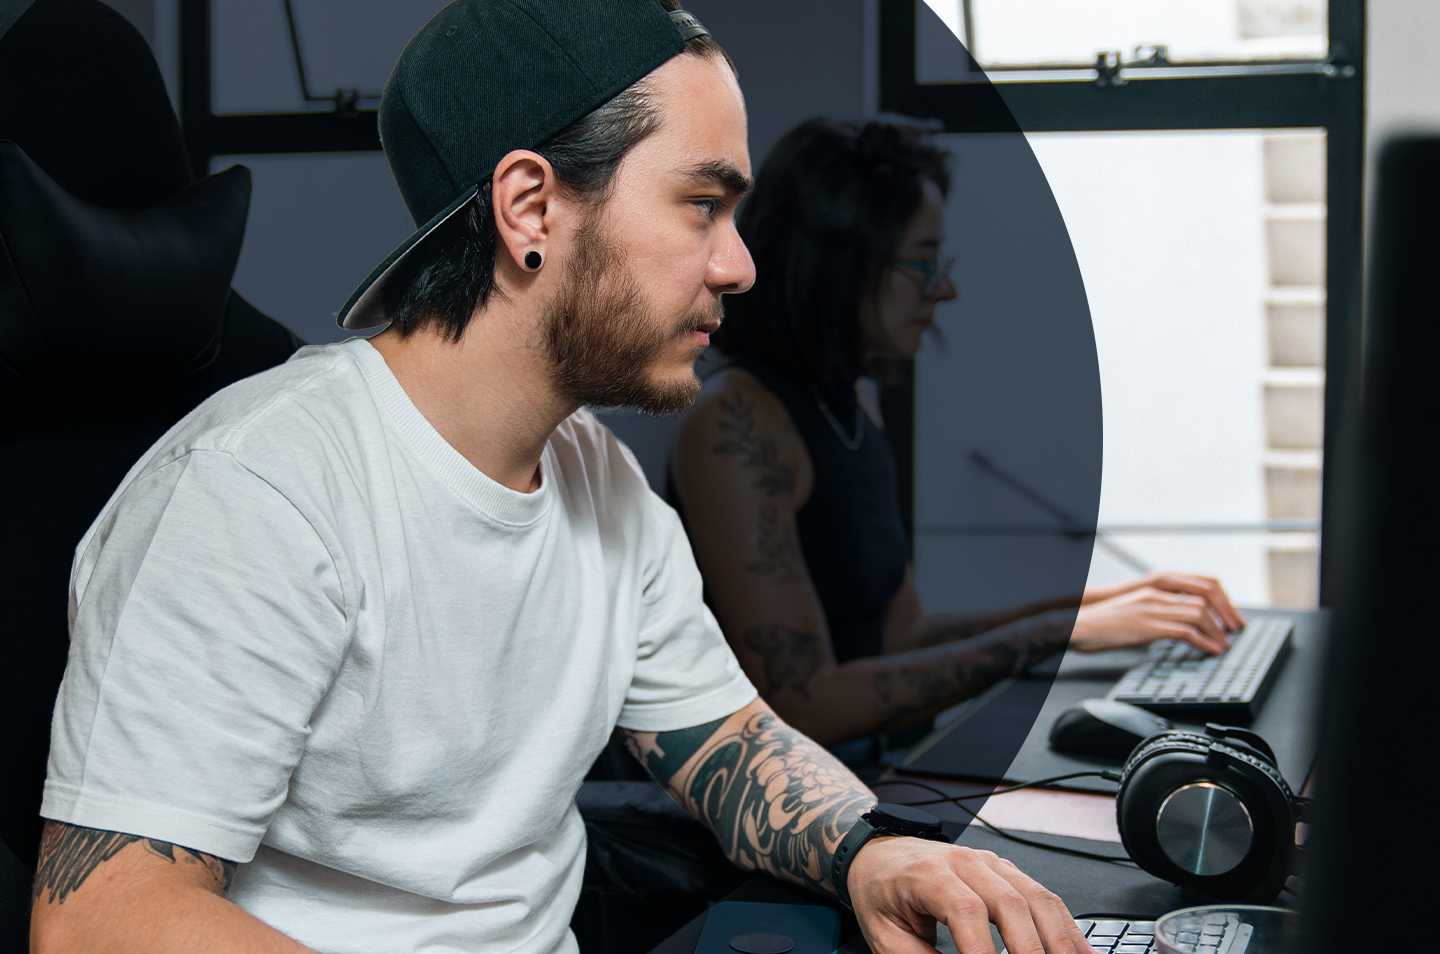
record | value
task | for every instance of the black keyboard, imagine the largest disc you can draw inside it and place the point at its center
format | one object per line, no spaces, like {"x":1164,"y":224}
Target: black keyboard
{"x":1178,"y":679}
{"x":1221,"y":933}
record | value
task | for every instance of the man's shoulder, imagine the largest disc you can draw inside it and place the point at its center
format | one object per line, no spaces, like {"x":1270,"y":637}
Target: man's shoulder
{"x":279,"y":415}
{"x":591,"y":454}
{"x":288,"y":425}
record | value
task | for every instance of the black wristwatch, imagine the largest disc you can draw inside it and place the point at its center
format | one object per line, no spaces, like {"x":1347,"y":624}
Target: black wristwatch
{"x":883,"y":819}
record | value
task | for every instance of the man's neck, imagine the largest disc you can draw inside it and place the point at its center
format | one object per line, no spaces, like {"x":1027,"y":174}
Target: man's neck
{"x":490,"y":398}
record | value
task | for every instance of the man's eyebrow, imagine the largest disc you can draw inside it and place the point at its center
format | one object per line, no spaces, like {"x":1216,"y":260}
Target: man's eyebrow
{"x":719,"y":172}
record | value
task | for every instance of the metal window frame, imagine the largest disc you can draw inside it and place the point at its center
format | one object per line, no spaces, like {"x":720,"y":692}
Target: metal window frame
{"x":1327,"y":95}
{"x":208,"y":135}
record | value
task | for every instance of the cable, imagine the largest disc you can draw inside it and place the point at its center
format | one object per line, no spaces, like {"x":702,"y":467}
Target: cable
{"x":1011,"y":836}
{"x":1106,"y":775}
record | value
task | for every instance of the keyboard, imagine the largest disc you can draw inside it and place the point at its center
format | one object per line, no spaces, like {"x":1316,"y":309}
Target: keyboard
{"x":1178,"y":679}
{"x":1220,"y":933}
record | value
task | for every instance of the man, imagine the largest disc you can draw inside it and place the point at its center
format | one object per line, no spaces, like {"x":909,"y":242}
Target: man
{"x":345,"y":641}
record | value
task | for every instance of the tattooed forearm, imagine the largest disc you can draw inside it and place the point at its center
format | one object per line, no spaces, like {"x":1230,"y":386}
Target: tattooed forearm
{"x":926,"y":685}
{"x":791,"y":657}
{"x":70,"y":853}
{"x":778,"y":802}
{"x":941,"y":628}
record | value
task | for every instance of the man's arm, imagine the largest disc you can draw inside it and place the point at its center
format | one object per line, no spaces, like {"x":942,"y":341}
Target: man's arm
{"x":779,"y":803}
{"x":105,"y":891}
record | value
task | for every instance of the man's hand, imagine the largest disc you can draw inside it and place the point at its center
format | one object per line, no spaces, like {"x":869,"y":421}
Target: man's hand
{"x":901,"y":888}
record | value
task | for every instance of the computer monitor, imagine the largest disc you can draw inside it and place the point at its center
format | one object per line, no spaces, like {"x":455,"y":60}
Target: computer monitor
{"x":1369,"y":882}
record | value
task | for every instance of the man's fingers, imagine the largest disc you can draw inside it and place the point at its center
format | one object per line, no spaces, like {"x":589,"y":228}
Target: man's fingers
{"x":968,"y":919}
{"x":1056,"y":925}
{"x":1007,"y":906}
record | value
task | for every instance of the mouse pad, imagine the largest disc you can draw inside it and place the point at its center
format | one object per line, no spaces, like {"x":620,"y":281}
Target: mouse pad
{"x":754,"y":927}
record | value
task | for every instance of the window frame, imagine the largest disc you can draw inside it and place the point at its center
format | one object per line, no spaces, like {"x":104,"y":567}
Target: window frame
{"x":1328,"y":95}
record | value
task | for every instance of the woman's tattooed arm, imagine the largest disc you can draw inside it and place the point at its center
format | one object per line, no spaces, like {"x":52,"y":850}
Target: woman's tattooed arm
{"x":777,"y":802}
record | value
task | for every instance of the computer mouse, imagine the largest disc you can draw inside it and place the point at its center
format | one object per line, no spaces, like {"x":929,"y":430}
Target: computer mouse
{"x":1103,"y":729}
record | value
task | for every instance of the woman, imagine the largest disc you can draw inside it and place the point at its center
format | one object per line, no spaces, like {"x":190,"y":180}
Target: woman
{"x":787,"y":486}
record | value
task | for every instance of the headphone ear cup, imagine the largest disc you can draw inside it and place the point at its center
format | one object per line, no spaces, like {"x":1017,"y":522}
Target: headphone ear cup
{"x":1145,"y":780}
{"x":1232,"y":782}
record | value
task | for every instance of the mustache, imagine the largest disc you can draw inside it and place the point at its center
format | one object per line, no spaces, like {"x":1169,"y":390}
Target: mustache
{"x":700,"y":322}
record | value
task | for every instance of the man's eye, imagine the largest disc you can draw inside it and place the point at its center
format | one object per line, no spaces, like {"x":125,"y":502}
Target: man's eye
{"x":710,"y":206}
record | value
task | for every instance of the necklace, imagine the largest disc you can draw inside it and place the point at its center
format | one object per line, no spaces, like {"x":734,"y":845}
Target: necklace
{"x":851,"y":443}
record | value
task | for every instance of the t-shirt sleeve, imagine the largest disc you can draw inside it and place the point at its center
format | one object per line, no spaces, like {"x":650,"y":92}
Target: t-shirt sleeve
{"x":685,"y":671}
{"x":209,"y":622}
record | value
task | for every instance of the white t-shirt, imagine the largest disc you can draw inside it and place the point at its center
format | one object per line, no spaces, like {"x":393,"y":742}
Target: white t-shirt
{"x":308,"y":635}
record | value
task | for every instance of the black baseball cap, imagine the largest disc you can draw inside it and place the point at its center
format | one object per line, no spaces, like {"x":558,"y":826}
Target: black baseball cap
{"x":483,"y":77}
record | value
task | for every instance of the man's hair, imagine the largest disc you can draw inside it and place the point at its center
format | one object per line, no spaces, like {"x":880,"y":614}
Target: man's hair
{"x":452,"y":273}
{"x":828,"y":209}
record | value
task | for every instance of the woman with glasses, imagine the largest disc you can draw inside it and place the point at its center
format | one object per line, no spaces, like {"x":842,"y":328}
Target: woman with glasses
{"x":787,"y":485}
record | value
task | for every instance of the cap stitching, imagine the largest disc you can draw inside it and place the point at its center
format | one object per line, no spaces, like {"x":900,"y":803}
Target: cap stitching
{"x":553,"y":41}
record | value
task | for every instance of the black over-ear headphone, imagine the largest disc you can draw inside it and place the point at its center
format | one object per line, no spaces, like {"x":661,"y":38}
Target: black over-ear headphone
{"x":1210,"y":812}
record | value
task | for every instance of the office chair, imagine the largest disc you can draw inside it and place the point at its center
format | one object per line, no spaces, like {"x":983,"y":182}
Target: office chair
{"x":116,"y":319}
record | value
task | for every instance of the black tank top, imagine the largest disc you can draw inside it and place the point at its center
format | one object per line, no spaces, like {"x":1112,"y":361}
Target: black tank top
{"x":851,"y":533}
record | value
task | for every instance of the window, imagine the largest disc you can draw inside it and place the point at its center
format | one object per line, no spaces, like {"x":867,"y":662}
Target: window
{"x":1019,"y":34}
{"x":1214,"y":213}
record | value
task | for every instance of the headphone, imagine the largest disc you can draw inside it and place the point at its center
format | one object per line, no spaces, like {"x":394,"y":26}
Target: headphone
{"x":1210,"y":812}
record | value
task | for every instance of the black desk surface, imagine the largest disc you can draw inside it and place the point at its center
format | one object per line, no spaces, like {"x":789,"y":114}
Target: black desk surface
{"x":1286,"y":717}
{"x":1087,"y":886}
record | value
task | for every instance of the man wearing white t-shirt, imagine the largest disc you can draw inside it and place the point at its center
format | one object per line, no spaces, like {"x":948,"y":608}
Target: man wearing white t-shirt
{"x":346,"y":639}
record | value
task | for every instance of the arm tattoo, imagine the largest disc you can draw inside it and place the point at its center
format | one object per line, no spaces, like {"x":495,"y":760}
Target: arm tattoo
{"x":778,"y":802}
{"x":777,"y":548}
{"x":792,"y":657}
{"x":988,"y":658}
{"x":773,"y":476}
{"x":69,"y":853}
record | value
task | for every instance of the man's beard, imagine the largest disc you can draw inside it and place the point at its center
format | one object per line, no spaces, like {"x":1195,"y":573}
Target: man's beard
{"x":601,"y":337}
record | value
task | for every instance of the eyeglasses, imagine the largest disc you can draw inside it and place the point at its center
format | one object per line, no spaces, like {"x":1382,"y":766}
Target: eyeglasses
{"x":927,"y":272}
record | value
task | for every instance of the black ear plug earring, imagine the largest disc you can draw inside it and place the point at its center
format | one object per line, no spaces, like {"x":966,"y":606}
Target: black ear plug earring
{"x":533,"y":260}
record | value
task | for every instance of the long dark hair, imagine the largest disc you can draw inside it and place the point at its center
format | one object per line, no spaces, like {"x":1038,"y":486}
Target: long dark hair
{"x":828,"y":209}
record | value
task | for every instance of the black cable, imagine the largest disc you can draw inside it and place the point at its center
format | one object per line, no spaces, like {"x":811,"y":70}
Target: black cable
{"x":1106,"y":775}
{"x":956,"y":801}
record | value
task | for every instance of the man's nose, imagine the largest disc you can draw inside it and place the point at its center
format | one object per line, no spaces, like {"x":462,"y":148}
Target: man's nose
{"x":732,"y":270}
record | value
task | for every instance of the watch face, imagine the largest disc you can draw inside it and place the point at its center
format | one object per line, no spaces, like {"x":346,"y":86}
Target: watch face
{"x":903,"y":818}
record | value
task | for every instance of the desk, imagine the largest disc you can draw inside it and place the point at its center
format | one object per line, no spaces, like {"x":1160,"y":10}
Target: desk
{"x":1070,"y":818}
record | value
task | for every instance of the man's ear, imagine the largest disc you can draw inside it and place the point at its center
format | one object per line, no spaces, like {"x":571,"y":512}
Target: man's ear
{"x":522,"y":194}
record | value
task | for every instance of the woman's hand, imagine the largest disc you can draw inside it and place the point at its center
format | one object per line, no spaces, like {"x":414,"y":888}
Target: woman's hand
{"x":1172,"y":582}
{"x":1165,"y":606}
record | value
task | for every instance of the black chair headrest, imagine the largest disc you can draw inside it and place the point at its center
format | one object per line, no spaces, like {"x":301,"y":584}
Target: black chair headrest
{"x":85,"y":284}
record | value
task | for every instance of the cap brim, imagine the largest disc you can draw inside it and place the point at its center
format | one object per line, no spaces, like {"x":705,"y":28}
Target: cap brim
{"x":366,"y":307}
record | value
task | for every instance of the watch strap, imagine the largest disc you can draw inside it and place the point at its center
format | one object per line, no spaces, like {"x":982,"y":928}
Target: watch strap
{"x":859,"y":833}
